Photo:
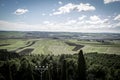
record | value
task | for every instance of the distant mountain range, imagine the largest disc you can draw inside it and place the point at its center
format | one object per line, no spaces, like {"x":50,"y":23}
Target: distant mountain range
{"x":58,"y":35}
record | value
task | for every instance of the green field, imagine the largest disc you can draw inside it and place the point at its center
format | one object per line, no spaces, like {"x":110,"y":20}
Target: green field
{"x":56,"y":46}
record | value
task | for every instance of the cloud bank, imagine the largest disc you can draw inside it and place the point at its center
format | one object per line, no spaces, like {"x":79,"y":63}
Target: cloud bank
{"x":81,"y":24}
{"x":74,"y":7}
{"x":110,"y":1}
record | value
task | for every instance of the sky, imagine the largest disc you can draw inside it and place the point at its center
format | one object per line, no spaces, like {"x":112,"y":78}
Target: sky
{"x":60,"y":15}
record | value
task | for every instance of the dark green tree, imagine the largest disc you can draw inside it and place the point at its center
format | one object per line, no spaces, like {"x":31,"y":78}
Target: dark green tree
{"x":64,"y":71}
{"x":81,"y":66}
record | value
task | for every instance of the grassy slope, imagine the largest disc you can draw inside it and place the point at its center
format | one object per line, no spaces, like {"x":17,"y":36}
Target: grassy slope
{"x":42,"y":46}
{"x":113,"y":47}
{"x":51,"y":46}
{"x":48,"y":46}
{"x":14,"y":44}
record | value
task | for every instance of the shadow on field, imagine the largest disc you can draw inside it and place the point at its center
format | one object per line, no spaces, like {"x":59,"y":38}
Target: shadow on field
{"x":4,"y":44}
{"x":77,"y":46}
{"x":26,"y":51}
{"x":27,"y":45}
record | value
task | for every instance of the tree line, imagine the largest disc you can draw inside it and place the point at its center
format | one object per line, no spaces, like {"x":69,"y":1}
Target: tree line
{"x":79,"y":66}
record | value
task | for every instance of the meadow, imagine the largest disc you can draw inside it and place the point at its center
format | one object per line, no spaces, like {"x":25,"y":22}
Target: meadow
{"x":58,"y":46}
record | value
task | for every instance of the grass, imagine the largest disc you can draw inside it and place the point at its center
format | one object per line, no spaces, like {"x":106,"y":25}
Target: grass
{"x":14,"y":44}
{"x":52,"y":46}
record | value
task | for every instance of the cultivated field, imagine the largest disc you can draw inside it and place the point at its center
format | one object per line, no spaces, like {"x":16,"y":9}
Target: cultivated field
{"x":57,"y":46}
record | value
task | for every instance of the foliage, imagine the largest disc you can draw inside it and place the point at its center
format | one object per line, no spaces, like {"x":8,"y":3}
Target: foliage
{"x":94,"y":66}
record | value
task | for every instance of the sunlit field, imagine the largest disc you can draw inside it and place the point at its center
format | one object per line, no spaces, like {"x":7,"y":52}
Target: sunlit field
{"x":56,"y":46}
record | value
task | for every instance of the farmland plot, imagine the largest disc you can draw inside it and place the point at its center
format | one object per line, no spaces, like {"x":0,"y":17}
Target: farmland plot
{"x":56,"y":46}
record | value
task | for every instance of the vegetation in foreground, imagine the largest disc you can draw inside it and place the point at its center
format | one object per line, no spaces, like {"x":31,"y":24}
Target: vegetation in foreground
{"x":90,"y":66}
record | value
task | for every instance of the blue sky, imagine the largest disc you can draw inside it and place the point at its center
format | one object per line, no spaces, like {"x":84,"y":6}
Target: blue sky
{"x":60,"y":15}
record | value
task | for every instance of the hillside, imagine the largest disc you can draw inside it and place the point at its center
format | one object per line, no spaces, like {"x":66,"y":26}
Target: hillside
{"x":57,"y":46}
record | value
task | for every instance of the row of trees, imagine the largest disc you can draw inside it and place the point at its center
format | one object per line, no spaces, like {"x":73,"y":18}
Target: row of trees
{"x":90,"y":66}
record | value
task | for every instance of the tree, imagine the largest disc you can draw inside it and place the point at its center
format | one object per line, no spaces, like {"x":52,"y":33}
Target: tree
{"x":81,"y":66}
{"x":64,"y":71}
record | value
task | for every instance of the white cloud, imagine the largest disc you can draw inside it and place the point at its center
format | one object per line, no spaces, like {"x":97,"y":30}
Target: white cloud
{"x":20,"y":11}
{"x":65,"y":9}
{"x":85,"y":7}
{"x":71,"y":22}
{"x":117,"y":17}
{"x":53,"y":9}
{"x":50,"y":14}
{"x":110,"y":1}
{"x":117,"y":24}
{"x":94,"y":18}
{"x":82,"y":17}
{"x":60,"y":2}
{"x":46,"y":22}
{"x":14,"y":26}
{"x":43,"y":14}
{"x":70,"y":7}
